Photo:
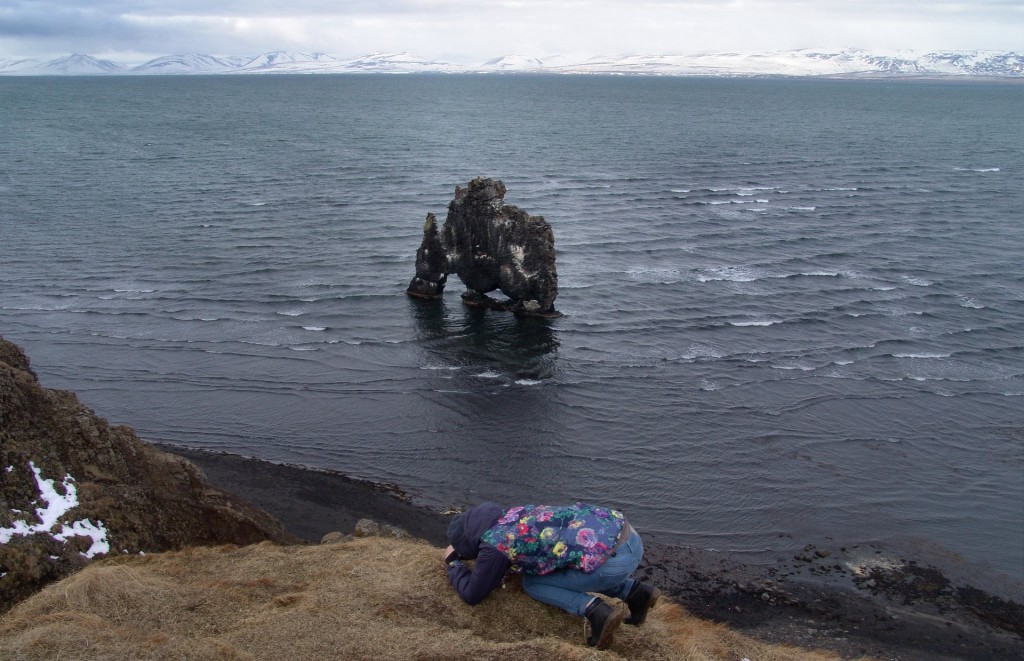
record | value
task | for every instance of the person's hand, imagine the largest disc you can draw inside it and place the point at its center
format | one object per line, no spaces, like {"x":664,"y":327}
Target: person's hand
{"x":447,"y":552}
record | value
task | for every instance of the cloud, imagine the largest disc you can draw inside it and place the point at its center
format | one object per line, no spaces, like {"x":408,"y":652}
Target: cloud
{"x":473,"y":31}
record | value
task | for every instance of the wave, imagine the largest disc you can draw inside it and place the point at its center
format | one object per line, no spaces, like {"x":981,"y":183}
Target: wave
{"x":968,"y":302}
{"x":917,"y":378}
{"x":132,"y":290}
{"x":314,"y":328}
{"x":573,"y":284}
{"x":655,"y":275}
{"x":812,"y":274}
{"x":916,"y":281}
{"x":741,"y":190}
{"x":920,"y":355}
{"x":203,"y":319}
{"x":528,"y":382}
{"x":37,"y":307}
{"x":738,"y":190}
{"x":697,"y":351}
{"x":722,"y":274}
{"x":744,"y":274}
{"x":977,"y":169}
{"x":729,"y":274}
{"x":766,"y":322}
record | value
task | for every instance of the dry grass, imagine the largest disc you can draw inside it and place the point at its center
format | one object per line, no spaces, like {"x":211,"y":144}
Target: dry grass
{"x":366,"y":599}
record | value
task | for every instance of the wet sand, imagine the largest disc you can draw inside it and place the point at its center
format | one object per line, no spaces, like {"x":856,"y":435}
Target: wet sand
{"x":901,"y":611}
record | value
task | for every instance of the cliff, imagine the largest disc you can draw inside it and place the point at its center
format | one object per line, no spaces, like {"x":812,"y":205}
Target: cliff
{"x":74,"y":488}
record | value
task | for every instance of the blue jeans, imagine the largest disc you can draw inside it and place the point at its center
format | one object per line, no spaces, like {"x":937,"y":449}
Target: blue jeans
{"x":568,"y":588}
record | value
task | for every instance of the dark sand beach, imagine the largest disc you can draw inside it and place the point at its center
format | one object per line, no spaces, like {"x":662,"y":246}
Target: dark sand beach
{"x":901,"y":611}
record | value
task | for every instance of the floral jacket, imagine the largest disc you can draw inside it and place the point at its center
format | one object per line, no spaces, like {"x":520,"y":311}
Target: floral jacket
{"x":532,"y":539}
{"x":538,"y":539}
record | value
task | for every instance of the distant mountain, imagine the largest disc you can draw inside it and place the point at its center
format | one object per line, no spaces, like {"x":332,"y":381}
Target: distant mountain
{"x":513,"y":63}
{"x":849,"y":63}
{"x":184,"y":64}
{"x":810,"y":63}
{"x":800,"y":63}
{"x":69,"y":65}
{"x":306,"y":63}
{"x":397,"y":63}
{"x":17,"y":65}
{"x":280,"y":60}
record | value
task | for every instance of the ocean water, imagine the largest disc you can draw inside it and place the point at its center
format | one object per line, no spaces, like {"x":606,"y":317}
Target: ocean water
{"x":793,"y":310}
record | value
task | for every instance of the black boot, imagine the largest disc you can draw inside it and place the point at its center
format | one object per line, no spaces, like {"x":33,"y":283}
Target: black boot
{"x":602,"y":621}
{"x":640,"y":599}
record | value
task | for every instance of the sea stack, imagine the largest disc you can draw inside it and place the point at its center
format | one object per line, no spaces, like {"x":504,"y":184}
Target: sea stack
{"x":490,"y":245}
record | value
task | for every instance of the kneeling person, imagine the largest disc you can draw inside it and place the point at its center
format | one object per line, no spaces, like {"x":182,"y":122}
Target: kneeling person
{"x":563,"y":552}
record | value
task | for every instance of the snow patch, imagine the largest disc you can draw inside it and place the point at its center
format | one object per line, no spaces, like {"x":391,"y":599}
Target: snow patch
{"x":58,"y":505}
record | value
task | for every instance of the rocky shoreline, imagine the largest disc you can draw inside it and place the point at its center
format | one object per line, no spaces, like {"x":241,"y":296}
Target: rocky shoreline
{"x":825,"y":598}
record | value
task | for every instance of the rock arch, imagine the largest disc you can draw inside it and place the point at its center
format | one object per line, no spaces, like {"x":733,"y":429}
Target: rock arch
{"x":491,"y":246}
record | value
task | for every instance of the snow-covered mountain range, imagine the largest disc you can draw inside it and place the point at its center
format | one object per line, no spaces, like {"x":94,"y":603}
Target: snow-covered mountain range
{"x":850,"y":63}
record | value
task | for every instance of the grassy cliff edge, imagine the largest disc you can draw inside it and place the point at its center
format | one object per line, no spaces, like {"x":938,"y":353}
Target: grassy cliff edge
{"x":370,"y":598}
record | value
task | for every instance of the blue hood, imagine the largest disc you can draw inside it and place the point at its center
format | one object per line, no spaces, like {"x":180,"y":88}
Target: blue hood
{"x":466,"y":528}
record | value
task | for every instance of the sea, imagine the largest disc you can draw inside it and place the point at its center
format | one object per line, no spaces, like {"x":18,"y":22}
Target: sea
{"x":793,"y":310}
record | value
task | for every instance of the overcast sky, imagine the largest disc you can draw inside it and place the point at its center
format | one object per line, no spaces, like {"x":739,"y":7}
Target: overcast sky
{"x":470,"y":31}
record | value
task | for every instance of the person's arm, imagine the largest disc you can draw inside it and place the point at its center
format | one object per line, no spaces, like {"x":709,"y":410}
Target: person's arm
{"x":487,"y":573}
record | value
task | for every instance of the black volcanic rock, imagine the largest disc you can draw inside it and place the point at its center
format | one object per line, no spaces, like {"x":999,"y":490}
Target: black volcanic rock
{"x":491,"y":246}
